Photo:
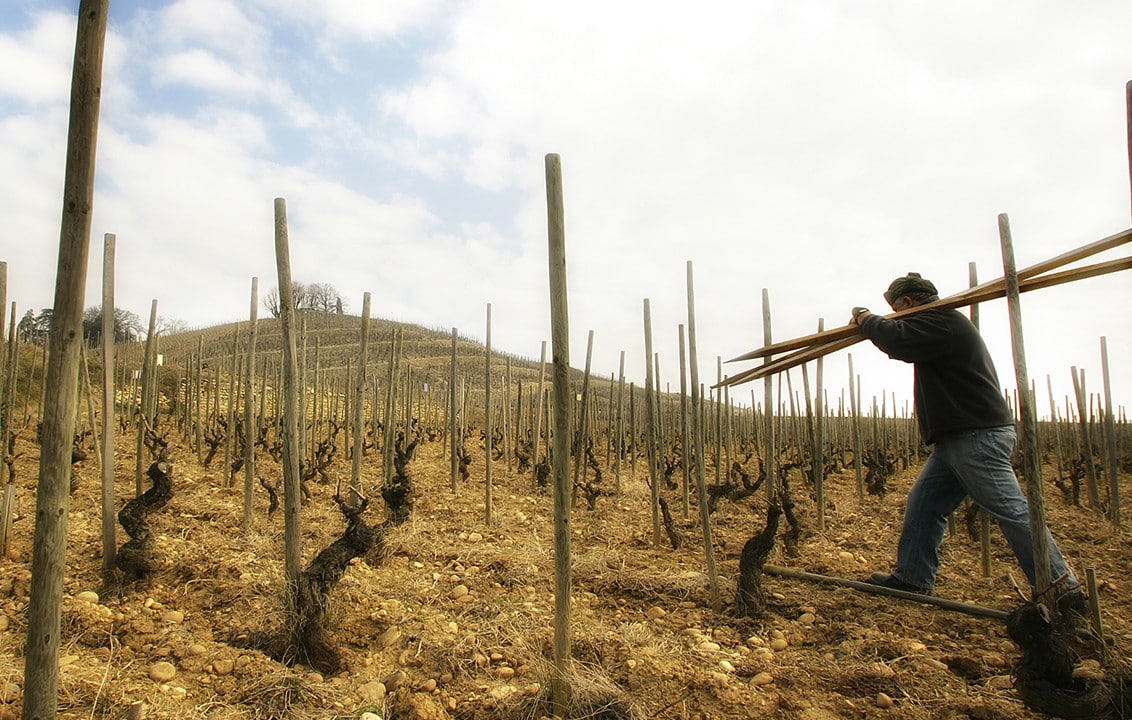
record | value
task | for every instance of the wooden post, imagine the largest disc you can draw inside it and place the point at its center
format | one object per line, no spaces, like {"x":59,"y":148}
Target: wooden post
{"x":650,"y":428}
{"x":359,"y":401}
{"x":1110,"y":437}
{"x":1086,"y":439}
{"x":230,"y":407}
{"x":391,"y":405}
{"x":718,"y":424}
{"x":301,"y":346}
{"x":1029,"y":425}
{"x":1128,"y":113}
{"x":198,"y":427}
{"x":563,"y":402}
{"x":453,"y":440}
{"x":146,"y":390}
{"x":685,"y":447}
{"x":508,"y":421}
{"x":49,"y":546}
{"x":6,"y":415}
{"x":1055,"y":425}
{"x":620,"y":427}
{"x":984,"y":518}
{"x":488,"y":430}
{"x":768,"y":414}
{"x":583,"y":423}
{"x":109,"y":512}
{"x":698,"y":440}
{"x":819,"y":439}
{"x":249,"y":407}
{"x":292,"y":537}
{"x":855,"y":410}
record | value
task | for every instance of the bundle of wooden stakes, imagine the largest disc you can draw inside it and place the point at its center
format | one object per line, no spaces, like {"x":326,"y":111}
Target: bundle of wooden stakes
{"x":811,"y":347}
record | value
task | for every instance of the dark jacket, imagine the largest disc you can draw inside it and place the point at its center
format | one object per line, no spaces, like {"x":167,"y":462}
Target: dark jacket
{"x":956,"y":385}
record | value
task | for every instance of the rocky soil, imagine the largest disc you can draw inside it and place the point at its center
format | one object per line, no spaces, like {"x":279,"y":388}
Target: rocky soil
{"x":454,"y":618}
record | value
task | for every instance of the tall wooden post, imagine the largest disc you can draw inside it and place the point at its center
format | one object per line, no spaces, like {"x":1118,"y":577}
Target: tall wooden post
{"x":49,"y":548}
{"x":650,"y":427}
{"x":538,"y":412}
{"x":819,"y":437}
{"x":769,"y":460}
{"x":359,"y":402}
{"x":292,"y":535}
{"x":855,"y":410}
{"x":619,"y":443}
{"x":685,"y":445}
{"x":109,"y":514}
{"x":1029,"y":424}
{"x":1110,"y":439}
{"x":698,"y":442}
{"x":453,"y":440}
{"x":488,"y":430}
{"x":563,"y":402}
{"x":582,"y":423}
{"x":250,"y":432}
{"x":146,"y":390}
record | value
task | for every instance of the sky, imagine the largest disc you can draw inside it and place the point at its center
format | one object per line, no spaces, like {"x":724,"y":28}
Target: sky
{"x":810,"y":148}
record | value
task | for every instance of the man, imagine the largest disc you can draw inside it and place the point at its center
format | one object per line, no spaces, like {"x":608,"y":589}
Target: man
{"x":961,"y":411}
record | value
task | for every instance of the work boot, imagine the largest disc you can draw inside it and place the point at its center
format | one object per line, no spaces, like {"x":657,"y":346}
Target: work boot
{"x":895,"y":583}
{"x":1073,"y":603}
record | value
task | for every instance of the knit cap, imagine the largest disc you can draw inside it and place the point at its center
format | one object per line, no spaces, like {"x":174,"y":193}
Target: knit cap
{"x":913,"y":285}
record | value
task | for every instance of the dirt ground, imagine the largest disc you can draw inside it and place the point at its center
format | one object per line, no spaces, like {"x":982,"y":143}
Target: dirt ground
{"x":455,"y":619}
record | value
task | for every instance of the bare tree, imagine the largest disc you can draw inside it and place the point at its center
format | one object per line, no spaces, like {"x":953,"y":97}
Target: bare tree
{"x":325,"y":298}
{"x":170,"y":326}
{"x":127,"y":325}
{"x":322,"y":297}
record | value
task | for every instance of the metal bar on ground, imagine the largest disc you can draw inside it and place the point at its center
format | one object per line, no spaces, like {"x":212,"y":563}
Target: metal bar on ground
{"x":881,"y":590}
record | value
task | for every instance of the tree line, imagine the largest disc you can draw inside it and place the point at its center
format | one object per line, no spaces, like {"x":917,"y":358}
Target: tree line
{"x":129,"y":327}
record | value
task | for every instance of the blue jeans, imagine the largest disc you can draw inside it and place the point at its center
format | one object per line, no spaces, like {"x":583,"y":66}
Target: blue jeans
{"x":973,"y":463}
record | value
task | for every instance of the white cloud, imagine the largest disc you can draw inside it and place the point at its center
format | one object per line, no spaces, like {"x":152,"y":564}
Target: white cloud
{"x":814,"y":150}
{"x":346,"y":20}
{"x":38,"y":61}
{"x":203,"y":70}
{"x":220,"y":25}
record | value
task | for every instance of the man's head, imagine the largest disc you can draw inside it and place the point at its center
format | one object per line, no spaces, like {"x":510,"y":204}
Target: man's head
{"x":909,"y":291}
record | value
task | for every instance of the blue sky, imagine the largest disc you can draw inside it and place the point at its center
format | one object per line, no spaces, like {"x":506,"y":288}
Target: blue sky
{"x":815,"y":149}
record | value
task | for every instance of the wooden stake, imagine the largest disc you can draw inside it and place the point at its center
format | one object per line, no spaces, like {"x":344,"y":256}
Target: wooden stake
{"x":1128,"y":113}
{"x":583,"y":423}
{"x":1029,"y":425}
{"x":685,"y":447}
{"x":488,"y":429}
{"x":249,"y":408}
{"x":1092,"y":491}
{"x":698,"y":441}
{"x":770,"y":454}
{"x":650,"y":428}
{"x":563,"y":402}
{"x":821,"y":344}
{"x":49,"y":546}
{"x":855,"y":409}
{"x":292,"y":541}
{"x":359,"y":401}
{"x":453,"y":439}
{"x":984,"y":517}
{"x":1110,"y":438}
{"x":620,"y":429}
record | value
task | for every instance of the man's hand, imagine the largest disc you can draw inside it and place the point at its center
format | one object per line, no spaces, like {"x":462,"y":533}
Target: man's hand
{"x":859,"y":314}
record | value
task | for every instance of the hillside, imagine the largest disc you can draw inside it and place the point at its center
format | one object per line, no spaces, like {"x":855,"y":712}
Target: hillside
{"x":452,"y":618}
